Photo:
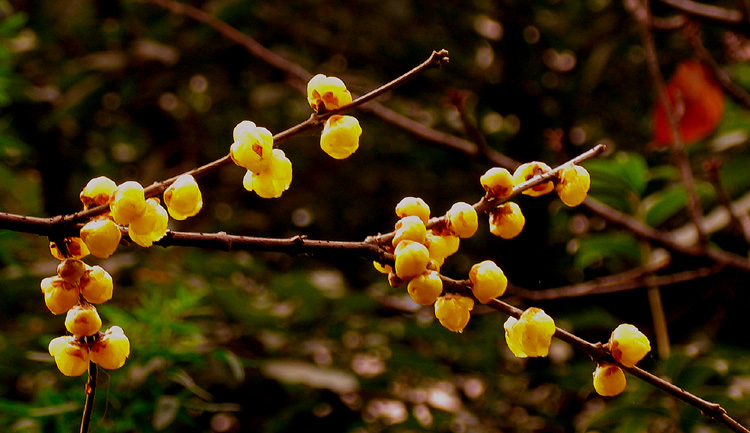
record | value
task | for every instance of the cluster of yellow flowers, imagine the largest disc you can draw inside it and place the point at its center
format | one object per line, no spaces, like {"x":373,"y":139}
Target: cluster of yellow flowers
{"x":77,"y":285}
{"x":628,"y":346}
{"x":269,"y":171}
{"x":506,"y":220}
{"x":340,"y":136}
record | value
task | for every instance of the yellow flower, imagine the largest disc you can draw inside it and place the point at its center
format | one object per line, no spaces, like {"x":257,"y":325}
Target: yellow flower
{"x":128,"y":202}
{"x":83,"y":320}
{"x":487,"y":281}
{"x":574,"y":185}
{"x":609,"y":380}
{"x":340,"y":136}
{"x":97,"y":192}
{"x":150,"y":226}
{"x":252,"y":147}
{"x":112,"y":349}
{"x":102,"y":237}
{"x":71,"y":270}
{"x":454,"y":311}
{"x":72,"y":358}
{"x":410,"y":228}
{"x":441,"y":246}
{"x":424,"y":289}
{"x":531,"y":334}
{"x":462,"y":220}
{"x":628,"y":345}
{"x":96,"y":285}
{"x":498,"y":182}
{"x":327,"y":93}
{"x":59,"y":295}
{"x":76,"y":248}
{"x":411,"y":259}
{"x":272,"y":182}
{"x":529,"y":170}
{"x":507,"y":220}
{"x":413,"y":206}
{"x":183,"y":198}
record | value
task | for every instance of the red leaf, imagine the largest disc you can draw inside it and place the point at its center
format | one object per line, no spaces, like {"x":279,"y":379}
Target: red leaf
{"x":697,"y":102}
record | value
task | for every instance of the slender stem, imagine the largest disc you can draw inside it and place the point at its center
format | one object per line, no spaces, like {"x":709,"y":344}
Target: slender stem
{"x":679,"y":154}
{"x":709,"y":12}
{"x":90,"y":391}
{"x":598,"y":353}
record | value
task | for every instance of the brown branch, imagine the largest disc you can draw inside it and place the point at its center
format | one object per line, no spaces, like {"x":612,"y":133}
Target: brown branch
{"x":90,"y":391}
{"x":709,"y":12}
{"x":737,"y":93}
{"x":679,"y":155}
{"x":598,"y":353}
{"x":629,"y":280}
{"x":711,"y":168}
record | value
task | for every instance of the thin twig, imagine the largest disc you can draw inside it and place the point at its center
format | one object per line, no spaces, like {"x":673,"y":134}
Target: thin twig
{"x":737,"y":93}
{"x":679,"y":154}
{"x":90,"y":391}
{"x":709,"y":12}
{"x":598,"y":353}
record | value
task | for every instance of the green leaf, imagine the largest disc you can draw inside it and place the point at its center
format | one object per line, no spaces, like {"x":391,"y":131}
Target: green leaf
{"x":618,"y":246}
{"x":663,"y":205}
{"x":619,"y":181}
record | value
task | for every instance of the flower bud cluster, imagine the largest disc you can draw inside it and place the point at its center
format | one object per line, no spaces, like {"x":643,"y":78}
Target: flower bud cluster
{"x":628,"y":346}
{"x":419,"y":253}
{"x":73,"y":290}
{"x":340,"y":136}
{"x":505,"y":218}
{"x":77,"y":285}
{"x":269,"y":171}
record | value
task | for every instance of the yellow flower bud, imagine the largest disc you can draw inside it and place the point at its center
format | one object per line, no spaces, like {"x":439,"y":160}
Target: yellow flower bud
{"x":410,"y":228}
{"x":128,"y":202}
{"x":96,"y":285}
{"x":272,"y":182}
{"x":529,"y":170}
{"x":102,"y":237}
{"x":462,"y":220}
{"x":609,"y":380}
{"x":71,"y":270}
{"x":424,"y":289}
{"x":340,"y":136}
{"x":83,"y":320}
{"x":628,"y":345}
{"x":507,"y":220}
{"x":112,"y":349}
{"x":413,"y":206}
{"x":59,"y":295}
{"x":97,"y":192}
{"x":487,"y":281}
{"x":383,"y":269}
{"x":441,"y":246}
{"x":150,"y":226}
{"x":574,"y":185}
{"x":183,"y":197}
{"x":531,"y":334}
{"x":454,"y":311}
{"x":252,"y":147}
{"x":75,"y":247}
{"x":498,"y":182}
{"x":327,"y":93}
{"x":411,"y":259}
{"x":71,"y":357}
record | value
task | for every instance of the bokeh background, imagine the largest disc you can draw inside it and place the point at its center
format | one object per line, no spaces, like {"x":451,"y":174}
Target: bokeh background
{"x":231,"y":341}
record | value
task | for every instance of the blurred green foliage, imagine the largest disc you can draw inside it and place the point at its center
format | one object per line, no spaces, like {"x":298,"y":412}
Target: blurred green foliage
{"x":228,"y":342}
